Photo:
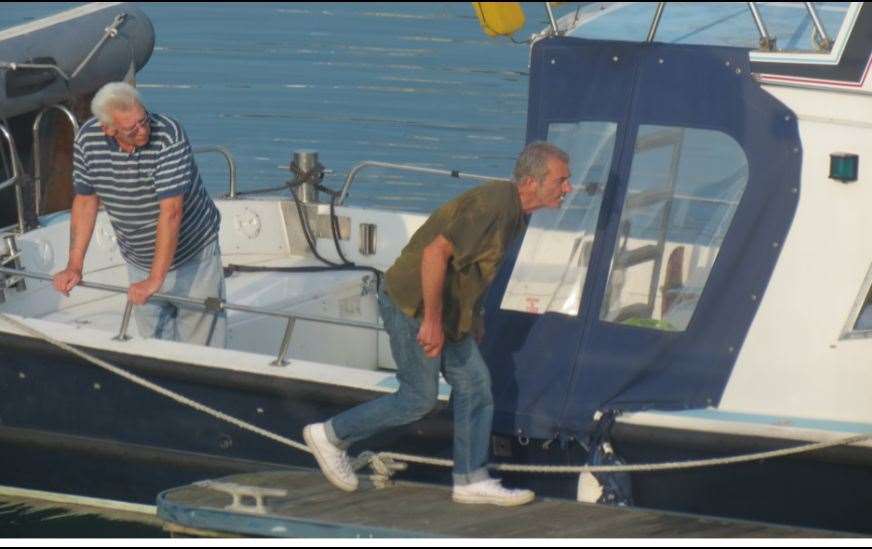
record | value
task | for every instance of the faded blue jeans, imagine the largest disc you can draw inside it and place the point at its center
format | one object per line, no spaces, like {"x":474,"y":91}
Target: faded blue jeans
{"x":465,"y":371}
{"x":200,"y":277}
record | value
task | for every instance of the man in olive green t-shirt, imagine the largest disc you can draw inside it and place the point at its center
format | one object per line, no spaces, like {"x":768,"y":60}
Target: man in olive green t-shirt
{"x":430,"y":305}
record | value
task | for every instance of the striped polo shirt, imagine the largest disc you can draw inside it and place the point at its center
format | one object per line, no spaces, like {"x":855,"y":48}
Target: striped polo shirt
{"x":131,"y":186}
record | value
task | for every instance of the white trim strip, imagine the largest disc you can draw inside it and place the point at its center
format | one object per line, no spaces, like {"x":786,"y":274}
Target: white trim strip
{"x":733,"y":425}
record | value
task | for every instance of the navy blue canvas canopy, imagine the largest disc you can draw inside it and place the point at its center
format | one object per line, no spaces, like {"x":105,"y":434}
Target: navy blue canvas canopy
{"x":552,"y":371}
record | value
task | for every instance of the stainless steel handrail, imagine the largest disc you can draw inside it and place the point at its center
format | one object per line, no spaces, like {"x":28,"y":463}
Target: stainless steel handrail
{"x":37,"y":165}
{"x":206,"y":304}
{"x":766,"y":40}
{"x":408,"y":168}
{"x":231,"y":163}
{"x":826,"y":42}
{"x":33,"y":66}
{"x":655,"y":22}
{"x":14,"y":180}
{"x":551,"y":19}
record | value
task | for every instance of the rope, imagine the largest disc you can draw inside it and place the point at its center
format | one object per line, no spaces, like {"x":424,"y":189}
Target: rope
{"x":385,"y":464}
{"x":109,"y":32}
{"x":156,"y":388}
{"x":639,"y":467}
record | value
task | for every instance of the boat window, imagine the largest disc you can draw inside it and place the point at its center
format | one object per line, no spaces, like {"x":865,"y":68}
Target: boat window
{"x":684,"y":187}
{"x":552,"y":263}
{"x":862,"y":313}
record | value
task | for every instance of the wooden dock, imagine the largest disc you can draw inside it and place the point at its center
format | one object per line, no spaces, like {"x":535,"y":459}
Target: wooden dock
{"x":303,"y":504}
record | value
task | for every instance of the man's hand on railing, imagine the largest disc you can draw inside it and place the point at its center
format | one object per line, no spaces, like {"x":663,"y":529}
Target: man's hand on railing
{"x":140,"y":292}
{"x":66,"y":280}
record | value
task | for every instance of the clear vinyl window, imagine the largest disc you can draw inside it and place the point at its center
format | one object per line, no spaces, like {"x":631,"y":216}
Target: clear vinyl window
{"x":683,"y":191}
{"x":860,"y":324}
{"x":552,"y":264}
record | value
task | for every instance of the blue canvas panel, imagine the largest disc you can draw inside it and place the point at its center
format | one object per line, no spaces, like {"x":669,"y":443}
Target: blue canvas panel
{"x":552,"y":371}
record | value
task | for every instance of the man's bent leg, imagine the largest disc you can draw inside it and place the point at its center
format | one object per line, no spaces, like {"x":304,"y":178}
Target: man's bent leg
{"x":417,"y":374}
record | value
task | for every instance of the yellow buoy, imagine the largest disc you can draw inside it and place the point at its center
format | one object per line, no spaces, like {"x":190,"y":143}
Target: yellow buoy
{"x":499,"y":18}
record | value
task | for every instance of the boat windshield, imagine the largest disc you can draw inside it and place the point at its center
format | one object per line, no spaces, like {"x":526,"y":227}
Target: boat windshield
{"x":710,"y":23}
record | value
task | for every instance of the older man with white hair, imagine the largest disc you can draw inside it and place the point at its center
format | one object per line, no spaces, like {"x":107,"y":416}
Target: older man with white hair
{"x":139,"y":165}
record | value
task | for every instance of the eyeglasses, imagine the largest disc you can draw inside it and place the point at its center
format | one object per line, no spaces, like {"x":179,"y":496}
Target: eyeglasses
{"x":133,"y":130}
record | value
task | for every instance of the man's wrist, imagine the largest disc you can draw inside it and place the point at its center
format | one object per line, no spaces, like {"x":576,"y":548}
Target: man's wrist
{"x":432,"y":319}
{"x":156,"y":280}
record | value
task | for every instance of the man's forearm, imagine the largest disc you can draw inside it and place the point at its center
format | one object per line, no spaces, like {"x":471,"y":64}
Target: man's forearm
{"x":434,"y":264}
{"x":83,"y":217}
{"x":167,"y":240}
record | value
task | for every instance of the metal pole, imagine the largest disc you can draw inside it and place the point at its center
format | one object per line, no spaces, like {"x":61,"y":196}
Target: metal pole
{"x":105,"y":287}
{"x":125,"y":322}
{"x":14,"y":179}
{"x":37,"y":165}
{"x":231,"y":163}
{"x":551,"y":17}
{"x":110,"y":32}
{"x":205,"y":304}
{"x":408,"y":168}
{"x":655,"y":23}
{"x":15,"y":256}
{"x":825,"y":43}
{"x":281,"y":360}
{"x":766,"y":41}
{"x":33,"y":66}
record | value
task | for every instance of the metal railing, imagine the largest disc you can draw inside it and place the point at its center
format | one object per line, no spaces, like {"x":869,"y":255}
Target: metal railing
{"x":825,"y":43}
{"x":16,"y":177}
{"x":407,"y":168}
{"x":231,"y":164}
{"x":37,"y":164}
{"x":209,"y":304}
{"x":655,"y":23}
{"x":767,"y":41}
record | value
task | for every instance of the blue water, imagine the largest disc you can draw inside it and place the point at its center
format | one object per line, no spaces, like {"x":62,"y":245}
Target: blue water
{"x":405,"y":83}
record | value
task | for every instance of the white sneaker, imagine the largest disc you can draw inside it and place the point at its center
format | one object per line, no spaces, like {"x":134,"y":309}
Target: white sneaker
{"x":491,"y":491}
{"x":334,"y":462}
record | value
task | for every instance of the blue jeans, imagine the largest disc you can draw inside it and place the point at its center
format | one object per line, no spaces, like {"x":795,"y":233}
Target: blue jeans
{"x":200,"y":277}
{"x":418,"y":375}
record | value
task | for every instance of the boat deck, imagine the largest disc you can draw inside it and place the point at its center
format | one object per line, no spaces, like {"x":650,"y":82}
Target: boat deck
{"x":303,"y":504}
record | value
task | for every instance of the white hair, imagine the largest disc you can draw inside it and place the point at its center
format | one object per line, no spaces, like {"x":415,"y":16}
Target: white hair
{"x":533,"y":161}
{"x":114,"y":97}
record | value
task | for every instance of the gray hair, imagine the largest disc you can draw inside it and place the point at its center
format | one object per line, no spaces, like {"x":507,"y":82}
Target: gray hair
{"x":114,"y":97}
{"x":533,"y":161}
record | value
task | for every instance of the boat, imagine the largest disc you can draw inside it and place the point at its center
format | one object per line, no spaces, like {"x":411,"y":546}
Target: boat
{"x":698,"y":300}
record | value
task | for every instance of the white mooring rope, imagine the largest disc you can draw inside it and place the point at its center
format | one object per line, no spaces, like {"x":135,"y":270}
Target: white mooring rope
{"x":154,"y":387}
{"x":386,"y":463}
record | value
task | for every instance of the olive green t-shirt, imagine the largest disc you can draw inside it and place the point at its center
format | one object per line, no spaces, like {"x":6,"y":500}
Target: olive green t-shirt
{"x":480,"y":224}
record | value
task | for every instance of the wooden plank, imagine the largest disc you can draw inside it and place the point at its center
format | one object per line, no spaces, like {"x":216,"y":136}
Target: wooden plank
{"x":314,"y":507}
